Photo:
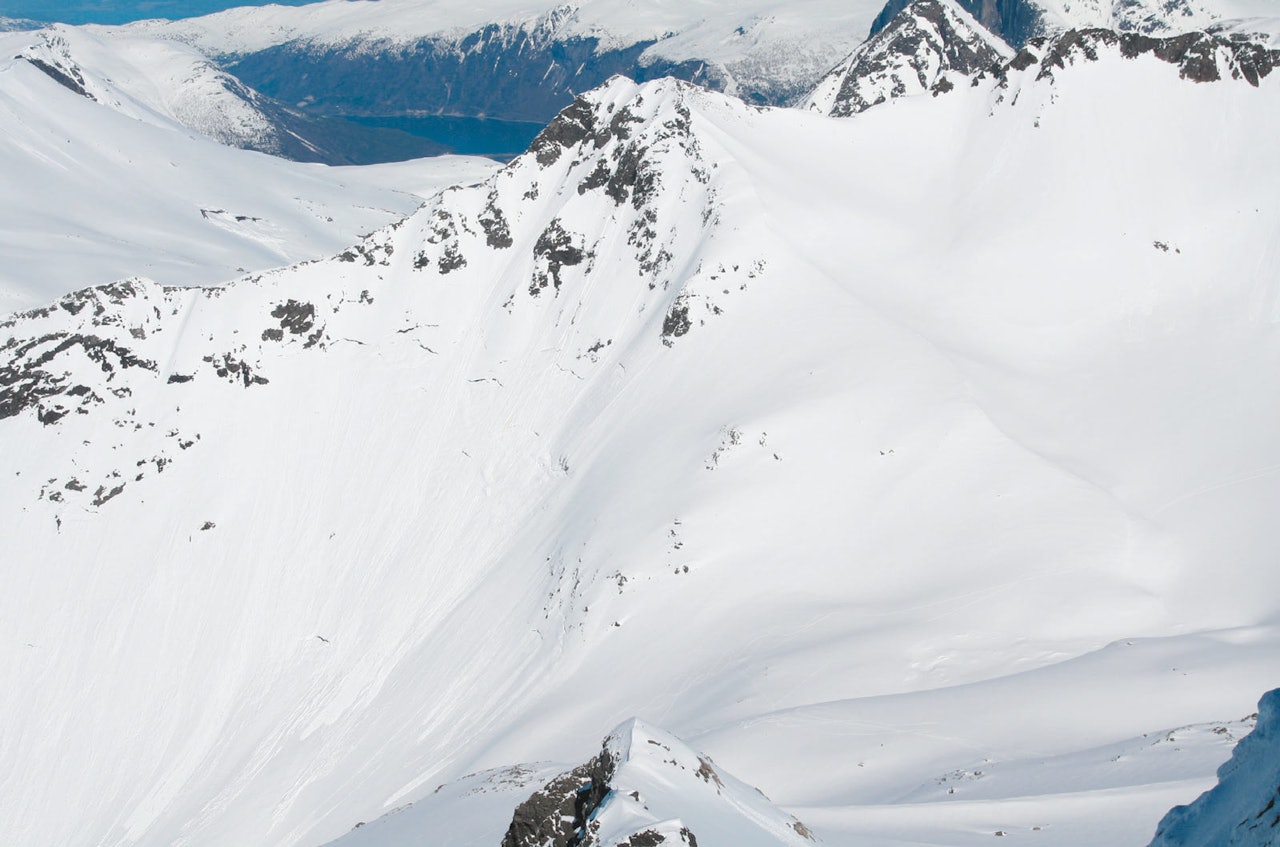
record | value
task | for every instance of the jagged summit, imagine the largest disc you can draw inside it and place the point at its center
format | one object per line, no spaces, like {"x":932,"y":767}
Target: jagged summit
{"x":1243,"y":809}
{"x":929,"y":46}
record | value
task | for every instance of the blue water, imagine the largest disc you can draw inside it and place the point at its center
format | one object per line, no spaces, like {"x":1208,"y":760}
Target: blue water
{"x":122,"y":11}
{"x":490,"y":137}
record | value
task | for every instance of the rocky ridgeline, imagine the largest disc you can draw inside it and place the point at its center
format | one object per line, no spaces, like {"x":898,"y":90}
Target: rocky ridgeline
{"x":933,"y":46}
{"x":605,"y":191}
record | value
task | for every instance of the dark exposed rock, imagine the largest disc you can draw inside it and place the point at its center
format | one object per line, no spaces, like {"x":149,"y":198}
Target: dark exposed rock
{"x":1015,"y":21}
{"x":24,"y":381}
{"x":555,"y":249}
{"x":69,"y":78}
{"x":230,"y":368}
{"x":295,"y":316}
{"x":102,"y":495}
{"x":1199,"y":56}
{"x":497,"y":232}
{"x":677,"y":321}
{"x":557,"y":814}
{"x":451,"y":259}
{"x":572,"y":126}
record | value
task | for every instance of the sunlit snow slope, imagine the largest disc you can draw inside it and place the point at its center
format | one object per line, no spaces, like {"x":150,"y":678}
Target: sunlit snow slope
{"x":919,"y":467}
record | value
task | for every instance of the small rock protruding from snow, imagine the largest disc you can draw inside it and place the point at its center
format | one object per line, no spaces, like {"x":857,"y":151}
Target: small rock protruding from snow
{"x":646,"y":788}
{"x":1243,"y":809}
{"x":930,"y":46}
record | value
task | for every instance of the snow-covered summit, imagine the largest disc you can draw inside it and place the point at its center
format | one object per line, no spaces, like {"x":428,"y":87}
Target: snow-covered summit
{"x":1243,"y":809}
{"x":931,"y":45}
{"x":647,"y":788}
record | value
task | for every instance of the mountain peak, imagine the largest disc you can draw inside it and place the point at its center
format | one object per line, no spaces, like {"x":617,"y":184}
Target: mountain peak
{"x":928,"y":46}
{"x":647,"y":788}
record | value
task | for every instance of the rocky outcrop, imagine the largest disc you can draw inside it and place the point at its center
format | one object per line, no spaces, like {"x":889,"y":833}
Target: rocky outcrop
{"x":1199,"y":56}
{"x":646,"y":788}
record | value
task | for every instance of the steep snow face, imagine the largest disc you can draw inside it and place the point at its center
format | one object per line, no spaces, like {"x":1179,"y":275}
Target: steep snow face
{"x":1241,"y":810}
{"x":932,"y":45}
{"x":647,"y":788}
{"x":764,"y":50}
{"x":860,"y":460}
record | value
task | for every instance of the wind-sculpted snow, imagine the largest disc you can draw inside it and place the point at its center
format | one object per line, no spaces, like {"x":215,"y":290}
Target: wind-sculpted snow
{"x":874,"y":466}
{"x":1243,"y":809}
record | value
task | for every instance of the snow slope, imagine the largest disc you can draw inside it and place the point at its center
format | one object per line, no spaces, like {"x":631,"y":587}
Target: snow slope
{"x":117,"y":185}
{"x":862,"y":454}
{"x":1241,"y":808}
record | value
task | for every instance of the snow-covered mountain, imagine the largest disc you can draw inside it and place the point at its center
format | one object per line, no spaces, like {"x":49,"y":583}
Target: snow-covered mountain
{"x":510,"y":59}
{"x":162,"y":81}
{"x":917,"y":468}
{"x":930,"y":46}
{"x":106,"y":179}
{"x":1240,"y":811}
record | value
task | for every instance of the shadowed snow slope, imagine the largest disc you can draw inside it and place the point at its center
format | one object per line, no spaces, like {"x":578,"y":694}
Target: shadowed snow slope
{"x":1240,"y":811}
{"x":939,"y":440}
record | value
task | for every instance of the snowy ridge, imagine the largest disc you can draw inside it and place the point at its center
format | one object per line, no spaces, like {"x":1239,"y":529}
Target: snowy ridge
{"x":932,"y":45}
{"x":1241,"y":810}
{"x":855,"y":458}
